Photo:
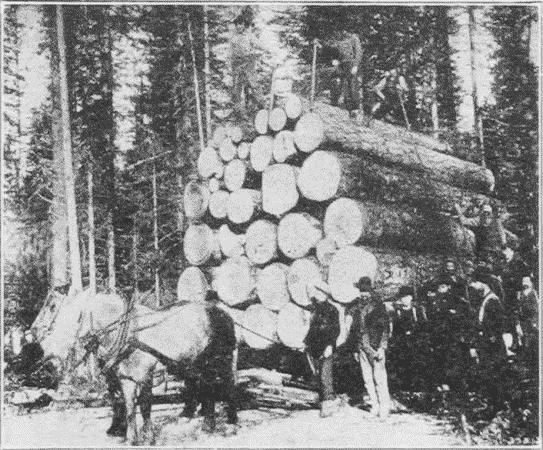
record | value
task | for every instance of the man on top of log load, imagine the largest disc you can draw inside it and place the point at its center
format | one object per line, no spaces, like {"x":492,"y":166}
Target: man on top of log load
{"x":320,"y":344}
{"x":370,"y":332}
{"x":244,"y":48}
{"x":349,"y":52}
{"x":391,"y":85}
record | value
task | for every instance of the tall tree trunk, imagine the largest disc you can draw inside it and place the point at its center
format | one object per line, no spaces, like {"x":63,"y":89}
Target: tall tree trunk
{"x":433,"y":88}
{"x":92,"y":251}
{"x":59,"y":223}
{"x":155,"y":234}
{"x":474,"y":91}
{"x":75,"y":259}
{"x":196,"y":86}
{"x":207,"y":74}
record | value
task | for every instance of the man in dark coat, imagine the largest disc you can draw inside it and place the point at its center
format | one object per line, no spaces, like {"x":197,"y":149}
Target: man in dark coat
{"x":320,"y":344}
{"x":349,"y":51}
{"x":528,"y":321}
{"x":370,"y":331}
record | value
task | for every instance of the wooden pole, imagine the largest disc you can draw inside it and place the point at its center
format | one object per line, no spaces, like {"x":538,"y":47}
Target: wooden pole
{"x":90,"y":212}
{"x":155,"y":234}
{"x":75,"y":258}
{"x":207,"y":74}
{"x":196,"y":86}
{"x":313,"y":73}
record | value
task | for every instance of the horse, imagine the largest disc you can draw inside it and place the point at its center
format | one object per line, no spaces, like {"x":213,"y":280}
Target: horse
{"x":196,"y":343}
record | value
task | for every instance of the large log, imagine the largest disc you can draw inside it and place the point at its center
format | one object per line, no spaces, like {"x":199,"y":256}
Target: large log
{"x":348,"y":221}
{"x":261,"y":121}
{"x":261,"y":242}
{"x":277,"y":119}
{"x":244,"y":148}
{"x":302,"y":274}
{"x":292,"y":325}
{"x":261,"y":154}
{"x":231,"y":243}
{"x":347,"y":266}
{"x":283,"y":146}
{"x":279,"y":191}
{"x":218,"y":203}
{"x":291,"y":104}
{"x":192,"y":286}
{"x":234,"y":174}
{"x":271,"y":286}
{"x":200,"y":244}
{"x":227,"y":149}
{"x":242,"y":205}
{"x":320,"y":176}
{"x":297,"y":234}
{"x":397,"y":146}
{"x":209,"y":163}
{"x":195,"y":200}
{"x":234,"y":280}
{"x":259,"y":327}
{"x":309,"y":132}
{"x":220,"y":133}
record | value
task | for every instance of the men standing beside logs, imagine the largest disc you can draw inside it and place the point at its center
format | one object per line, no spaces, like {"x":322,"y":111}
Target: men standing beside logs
{"x":244,"y":49}
{"x":370,"y":331}
{"x":320,"y":344}
{"x":349,"y":50}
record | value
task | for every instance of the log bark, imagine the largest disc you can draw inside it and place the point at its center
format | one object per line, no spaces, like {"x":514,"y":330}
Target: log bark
{"x":200,"y":244}
{"x":209,"y":163}
{"x":218,"y":202}
{"x":348,"y":221}
{"x":309,"y":132}
{"x":261,"y":242}
{"x":227,"y":149}
{"x":242,"y":205}
{"x":234,"y":280}
{"x":231,"y":243}
{"x":303,"y":272}
{"x":399,"y":147}
{"x":292,"y":325}
{"x":261,"y":153}
{"x":326,"y":248}
{"x":291,"y":104}
{"x":261,"y":121}
{"x":195,"y":200}
{"x":234,"y":174}
{"x":348,"y":265}
{"x":283,"y":146}
{"x":271,"y":286}
{"x":297,"y":234}
{"x":320,"y":176}
{"x":259,"y":327}
{"x":279,"y":191}
{"x":244,"y":148}
{"x":277,"y":119}
{"x":192,"y":286}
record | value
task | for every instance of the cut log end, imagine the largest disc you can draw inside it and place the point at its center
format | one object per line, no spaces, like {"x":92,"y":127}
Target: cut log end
{"x":344,"y":222}
{"x":199,"y":244}
{"x":234,"y":175}
{"x":302,"y":274}
{"x":192,"y":286}
{"x":261,"y":153}
{"x":309,"y":133}
{"x":297,"y":234}
{"x":277,"y":119}
{"x":227,"y":149}
{"x":261,"y":121}
{"x":242,"y":205}
{"x":293,"y":325}
{"x":231,"y":243}
{"x":271,"y":286}
{"x":283,"y":146}
{"x":218,"y":204}
{"x":320,"y":176}
{"x":279,"y":190}
{"x":259,"y":327}
{"x":261,"y":242}
{"x":195,"y":199}
{"x":234,"y":281}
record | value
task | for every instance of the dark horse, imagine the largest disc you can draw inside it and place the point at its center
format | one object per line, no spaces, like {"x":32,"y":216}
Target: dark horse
{"x":196,"y":342}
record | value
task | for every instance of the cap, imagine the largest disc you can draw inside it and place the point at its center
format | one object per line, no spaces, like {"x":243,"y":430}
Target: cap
{"x":405,"y":291}
{"x":363,"y":284}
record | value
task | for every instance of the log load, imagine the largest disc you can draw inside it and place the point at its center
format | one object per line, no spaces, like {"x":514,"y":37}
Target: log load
{"x":348,"y":221}
{"x":234,"y":174}
{"x":227,"y":149}
{"x":303,"y":273}
{"x":261,"y":242}
{"x":309,"y":132}
{"x":234,"y":280}
{"x":209,"y":163}
{"x":231,"y":244}
{"x":259,"y":327}
{"x":192,"y":286}
{"x":261,"y":121}
{"x":283,"y":146}
{"x":279,"y":191}
{"x":195,"y":200}
{"x":244,"y":148}
{"x":200,"y":244}
{"x":395,"y":146}
{"x":218,"y":203}
{"x":292,"y":325}
{"x":297,"y":234}
{"x":242,"y":204}
{"x":261,"y":153}
{"x":348,"y":265}
{"x":271,"y":286}
{"x":277,"y":119}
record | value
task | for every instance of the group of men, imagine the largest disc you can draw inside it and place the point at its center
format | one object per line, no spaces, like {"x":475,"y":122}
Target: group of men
{"x":460,"y":333}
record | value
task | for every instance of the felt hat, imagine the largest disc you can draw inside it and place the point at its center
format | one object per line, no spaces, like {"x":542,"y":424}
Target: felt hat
{"x":405,"y":291}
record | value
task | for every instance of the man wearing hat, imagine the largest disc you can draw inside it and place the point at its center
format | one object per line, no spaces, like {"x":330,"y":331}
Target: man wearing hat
{"x":244,"y":49}
{"x":370,"y":333}
{"x":320,"y":344}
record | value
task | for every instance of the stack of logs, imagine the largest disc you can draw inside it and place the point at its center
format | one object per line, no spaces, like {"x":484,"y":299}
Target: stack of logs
{"x":288,"y":201}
